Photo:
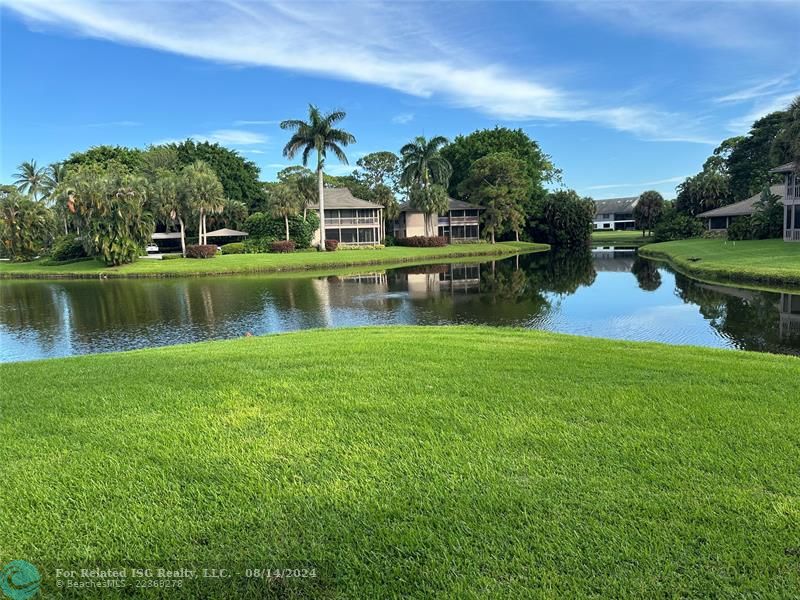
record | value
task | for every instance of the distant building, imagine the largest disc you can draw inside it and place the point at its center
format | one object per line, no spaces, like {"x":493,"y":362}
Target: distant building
{"x":349,"y":220}
{"x":719,"y":219}
{"x":615,"y":213}
{"x":461,"y":222}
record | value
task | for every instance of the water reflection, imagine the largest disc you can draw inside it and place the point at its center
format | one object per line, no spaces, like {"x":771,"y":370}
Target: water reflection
{"x":608,"y":293}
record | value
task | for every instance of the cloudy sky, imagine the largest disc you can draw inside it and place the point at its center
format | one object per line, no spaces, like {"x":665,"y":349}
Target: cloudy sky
{"x":625,"y":96}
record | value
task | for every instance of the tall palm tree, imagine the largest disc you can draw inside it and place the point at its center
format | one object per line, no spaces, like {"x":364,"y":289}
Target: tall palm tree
{"x":283,"y":204}
{"x":424,"y":167}
{"x":204,"y":191}
{"x":53,"y":190}
{"x":170,"y":201}
{"x":30,"y":178}
{"x":319,"y":135}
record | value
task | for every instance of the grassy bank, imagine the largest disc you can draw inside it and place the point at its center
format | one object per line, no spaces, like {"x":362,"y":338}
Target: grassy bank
{"x":260,"y":263}
{"x":414,"y":462}
{"x":756,"y":261}
{"x":626,"y":238}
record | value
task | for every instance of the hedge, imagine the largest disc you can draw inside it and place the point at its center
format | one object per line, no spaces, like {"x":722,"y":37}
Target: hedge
{"x":201,"y":251}
{"x":421,"y":241}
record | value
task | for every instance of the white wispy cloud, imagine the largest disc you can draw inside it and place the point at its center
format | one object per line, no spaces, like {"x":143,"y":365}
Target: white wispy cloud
{"x":224,"y":137}
{"x":403,"y":118}
{"x":392,"y":45}
{"x":640,"y":184}
{"x":742,"y":124}
{"x":771,"y":87}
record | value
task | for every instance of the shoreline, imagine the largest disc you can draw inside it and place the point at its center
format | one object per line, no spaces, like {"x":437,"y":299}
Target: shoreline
{"x":238,"y":265}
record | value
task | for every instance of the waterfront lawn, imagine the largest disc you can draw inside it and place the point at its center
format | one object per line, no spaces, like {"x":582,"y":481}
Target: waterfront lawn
{"x":626,"y":238}
{"x":260,"y":263}
{"x":411,"y":462}
{"x":765,"y":261}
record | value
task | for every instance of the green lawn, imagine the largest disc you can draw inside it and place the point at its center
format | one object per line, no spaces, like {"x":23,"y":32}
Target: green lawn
{"x":758,"y":261}
{"x":411,"y":462}
{"x":628,"y":238}
{"x":258,"y":263}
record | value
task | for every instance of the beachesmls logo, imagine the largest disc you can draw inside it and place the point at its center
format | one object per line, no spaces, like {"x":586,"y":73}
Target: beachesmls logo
{"x":20,"y":580}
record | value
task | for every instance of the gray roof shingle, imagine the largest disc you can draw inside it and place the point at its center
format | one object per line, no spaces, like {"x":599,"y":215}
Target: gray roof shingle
{"x":785,"y":168}
{"x":615,"y":205}
{"x":452,"y":204}
{"x":342,"y":198}
{"x":744,"y":207}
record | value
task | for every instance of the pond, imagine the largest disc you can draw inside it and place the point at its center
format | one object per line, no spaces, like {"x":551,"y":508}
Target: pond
{"x":607,"y":293}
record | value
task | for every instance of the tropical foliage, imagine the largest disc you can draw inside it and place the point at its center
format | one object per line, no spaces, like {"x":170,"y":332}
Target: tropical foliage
{"x":282,"y":203}
{"x":425,"y":174}
{"x":319,"y":134}
{"x":30,"y":178}
{"x":25,"y":225}
{"x":201,"y":184}
{"x":648,"y":211}
{"x":675,"y":225}
{"x":562,"y":219}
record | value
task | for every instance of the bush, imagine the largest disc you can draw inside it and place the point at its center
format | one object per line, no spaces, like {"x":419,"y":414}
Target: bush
{"x":561,"y":219}
{"x":421,"y":241}
{"x":234,"y":248}
{"x":260,"y":225}
{"x":283,"y":246}
{"x":389,"y":240}
{"x":676,"y":226}
{"x":740,"y":229}
{"x":67,"y":247}
{"x":201,"y":251}
{"x":331,"y":245}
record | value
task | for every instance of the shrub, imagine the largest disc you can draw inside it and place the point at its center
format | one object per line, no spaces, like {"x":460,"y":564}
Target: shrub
{"x":260,"y":225}
{"x":389,"y":240}
{"x":258,"y":245}
{"x":421,"y":241}
{"x":676,"y":226}
{"x":331,"y":245}
{"x":234,"y":248}
{"x":740,"y":229}
{"x":283,"y":246}
{"x":201,"y":251}
{"x":561,"y":219}
{"x":67,"y":247}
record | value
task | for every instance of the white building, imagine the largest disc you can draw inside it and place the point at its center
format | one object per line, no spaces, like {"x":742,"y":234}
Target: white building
{"x":615,"y":213}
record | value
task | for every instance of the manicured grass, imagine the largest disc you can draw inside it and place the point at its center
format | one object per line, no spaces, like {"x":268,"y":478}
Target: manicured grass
{"x":627,"y":238}
{"x":757,"y":261}
{"x":259,"y":263}
{"x":411,"y":462}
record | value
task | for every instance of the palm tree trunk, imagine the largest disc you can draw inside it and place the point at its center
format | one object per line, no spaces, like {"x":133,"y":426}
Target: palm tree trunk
{"x":183,"y":238}
{"x":201,"y":234}
{"x":320,"y":190}
{"x":286,"y":222}
{"x":66,"y":229}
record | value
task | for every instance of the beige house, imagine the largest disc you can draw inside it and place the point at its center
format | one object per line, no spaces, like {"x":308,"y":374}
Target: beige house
{"x":349,"y":220}
{"x":461,"y":222}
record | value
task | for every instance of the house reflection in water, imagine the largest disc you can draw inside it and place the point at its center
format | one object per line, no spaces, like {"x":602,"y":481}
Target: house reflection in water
{"x":789,"y":316}
{"x":420,"y":282}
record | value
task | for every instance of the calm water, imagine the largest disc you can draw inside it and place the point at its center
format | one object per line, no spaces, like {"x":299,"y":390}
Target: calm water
{"x":606,"y":293}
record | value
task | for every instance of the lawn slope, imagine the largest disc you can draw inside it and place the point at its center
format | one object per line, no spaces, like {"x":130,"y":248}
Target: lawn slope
{"x":261,"y":263}
{"x":411,"y":462}
{"x":754,"y":261}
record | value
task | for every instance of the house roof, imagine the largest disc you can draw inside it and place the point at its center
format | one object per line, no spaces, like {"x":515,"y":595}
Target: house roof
{"x":786,"y":168}
{"x":342,"y":198}
{"x":452,"y":204}
{"x":225,"y":232}
{"x":615,"y":205}
{"x":175,"y":235}
{"x":744,"y":207}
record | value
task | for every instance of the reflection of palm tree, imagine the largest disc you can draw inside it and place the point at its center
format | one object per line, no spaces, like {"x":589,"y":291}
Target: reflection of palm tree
{"x":646,"y":274}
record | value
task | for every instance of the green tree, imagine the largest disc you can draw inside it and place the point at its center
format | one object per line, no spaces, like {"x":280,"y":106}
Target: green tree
{"x":25,"y":225}
{"x":465,"y":150}
{"x":426,"y":173}
{"x":380,"y":168}
{"x":159,"y":159}
{"x":648,"y":210}
{"x":204,"y":193}
{"x":786,"y":145}
{"x":111,"y":205}
{"x":676,"y":225}
{"x":718,"y":161}
{"x":30,"y":178}
{"x":53,"y":190}
{"x":238,"y":176}
{"x":752,"y":158}
{"x":319,"y":135}
{"x":170,"y":200}
{"x":499,"y":182}
{"x":704,"y":191}
{"x":128,"y":158}
{"x":282,"y":203}
{"x":562,"y":219}
{"x":767,"y":218}
{"x":303,"y":184}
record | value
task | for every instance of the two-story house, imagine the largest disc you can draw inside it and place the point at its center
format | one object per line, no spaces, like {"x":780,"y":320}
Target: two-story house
{"x":349,"y":220}
{"x":615,"y":213}
{"x":461,"y":222}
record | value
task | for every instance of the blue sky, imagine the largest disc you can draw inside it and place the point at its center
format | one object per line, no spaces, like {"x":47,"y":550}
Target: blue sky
{"x":625,"y":96}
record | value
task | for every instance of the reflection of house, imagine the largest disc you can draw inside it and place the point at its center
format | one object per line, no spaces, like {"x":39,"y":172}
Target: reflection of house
{"x":791,"y":201}
{"x":461,"y":222}
{"x":790,"y":315}
{"x":719,"y":219}
{"x":615,"y":213}
{"x":350,"y":220}
{"x":609,"y":259}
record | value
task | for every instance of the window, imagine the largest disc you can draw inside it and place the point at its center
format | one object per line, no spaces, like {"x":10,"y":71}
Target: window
{"x":606,"y":225}
{"x":347,"y":214}
{"x":366,"y":235}
{"x":472,"y":231}
{"x":332,"y":234}
{"x":471,"y":213}
{"x":458,"y":231}
{"x":348,"y":236}
{"x":718,"y":223}
{"x":444,"y":232}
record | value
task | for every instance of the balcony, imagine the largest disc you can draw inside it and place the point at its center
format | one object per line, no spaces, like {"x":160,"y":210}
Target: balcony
{"x":464,"y":220}
{"x":791,"y":235}
{"x":351,"y":221}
